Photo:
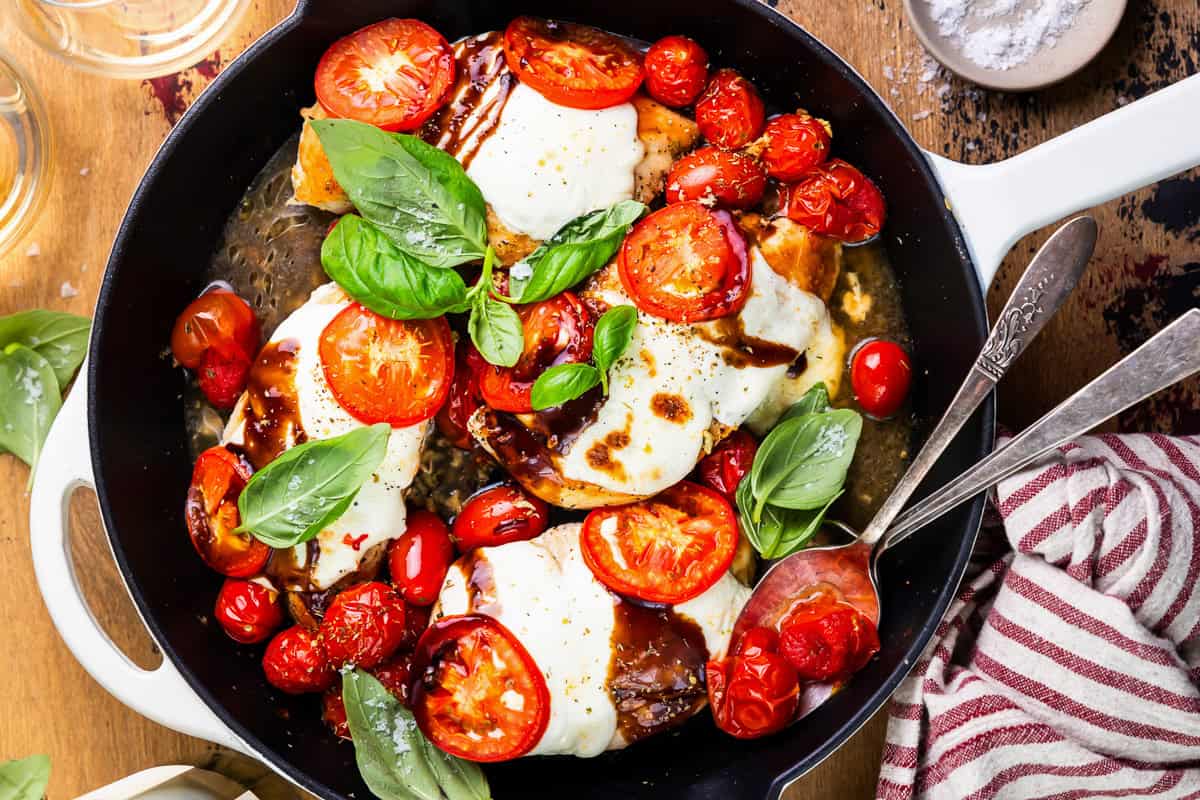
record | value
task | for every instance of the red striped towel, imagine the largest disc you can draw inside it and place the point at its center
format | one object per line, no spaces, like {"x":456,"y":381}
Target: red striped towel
{"x":1068,"y":667}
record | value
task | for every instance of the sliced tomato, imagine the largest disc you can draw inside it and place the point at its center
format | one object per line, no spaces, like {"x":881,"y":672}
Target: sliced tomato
{"x":387,"y":370}
{"x":730,"y":113}
{"x":216,"y":320}
{"x":498,"y":515}
{"x":573,"y":65}
{"x":836,"y":200}
{"x":676,"y":69}
{"x":686,"y":263}
{"x":716,"y":177}
{"x":393,"y":74}
{"x":557,"y":331}
{"x":477,"y":692}
{"x":795,"y":143}
{"x":212,"y":515}
{"x":667,"y":549}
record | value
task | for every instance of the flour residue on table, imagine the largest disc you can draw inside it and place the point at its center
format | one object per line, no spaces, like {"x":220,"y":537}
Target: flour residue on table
{"x":1002,"y":34}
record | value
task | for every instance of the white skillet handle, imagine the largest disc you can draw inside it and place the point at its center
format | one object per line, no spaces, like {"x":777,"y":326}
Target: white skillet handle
{"x":1135,"y":146}
{"x":160,"y":694}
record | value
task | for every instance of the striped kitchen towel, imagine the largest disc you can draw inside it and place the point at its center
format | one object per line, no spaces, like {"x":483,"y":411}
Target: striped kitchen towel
{"x":1069,"y":664}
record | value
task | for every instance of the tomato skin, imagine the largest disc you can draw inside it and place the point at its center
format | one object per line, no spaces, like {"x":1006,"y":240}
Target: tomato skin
{"x":726,"y":178}
{"x":396,"y":676}
{"x":757,"y":640}
{"x":667,"y":549}
{"x":729,"y":462}
{"x":212,"y":515}
{"x":880,"y":374}
{"x":416,"y":620}
{"x":730,"y":113}
{"x":462,"y":666}
{"x":686,"y":263}
{"x":498,"y":515}
{"x":557,"y":331}
{"x":795,"y":143}
{"x":836,"y":200}
{"x":752,"y":695}
{"x":573,"y":65}
{"x":216,"y":320}
{"x":827,"y":640}
{"x":676,"y":69}
{"x":419,"y":559}
{"x":333,"y":711}
{"x":363,"y":625}
{"x":464,"y":398}
{"x":413,"y":92}
{"x":248,"y":612}
{"x":222,"y":377}
{"x":295,"y":662}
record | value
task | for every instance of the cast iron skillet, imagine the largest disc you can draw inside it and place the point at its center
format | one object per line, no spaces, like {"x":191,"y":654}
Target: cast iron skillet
{"x":158,"y":264}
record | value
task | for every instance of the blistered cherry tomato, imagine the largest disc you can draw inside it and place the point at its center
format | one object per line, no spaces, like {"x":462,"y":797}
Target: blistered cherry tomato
{"x":395,"y":675}
{"x":573,"y":65}
{"x":296,"y":662}
{"x":716,"y":177}
{"x":393,"y":74}
{"x":498,"y":515}
{"x":752,"y":695}
{"x":827,"y":640}
{"x":676,"y":69}
{"x":757,"y":640}
{"x":419,"y":558}
{"x":880,"y":374}
{"x":794,"y":144}
{"x":666,"y":549}
{"x":686,"y":263}
{"x":363,"y":625}
{"x":730,"y":112}
{"x":222,"y":377}
{"x":333,"y":711}
{"x":248,"y":611}
{"x":724,"y":468}
{"x":212,"y":515}
{"x":557,"y":331}
{"x":836,"y":200}
{"x":478,"y":694}
{"x":416,"y":620}
{"x":387,"y":370}
{"x":464,"y":398}
{"x":216,"y":320}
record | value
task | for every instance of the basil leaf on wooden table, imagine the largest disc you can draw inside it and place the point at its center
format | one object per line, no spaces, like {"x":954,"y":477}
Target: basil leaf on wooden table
{"x":562,"y":383}
{"x":306,"y":488}
{"x":803,"y":461}
{"x":496,"y":330}
{"x":25,"y":778}
{"x":580,"y":248}
{"x":30,"y":398}
{"x":418,"y":195}
{"x":814,"y":401}
{"x":394,"y":757}
{"x":614,"y":332}
{"x":58,"y":337}
{"x":385,"y":279}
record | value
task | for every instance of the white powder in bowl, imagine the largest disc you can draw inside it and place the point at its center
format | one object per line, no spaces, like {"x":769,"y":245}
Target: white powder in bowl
{"x":1002,"y":34}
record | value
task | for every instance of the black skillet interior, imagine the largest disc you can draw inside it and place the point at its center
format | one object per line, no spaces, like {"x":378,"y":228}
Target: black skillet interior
{"x":159,"y":262}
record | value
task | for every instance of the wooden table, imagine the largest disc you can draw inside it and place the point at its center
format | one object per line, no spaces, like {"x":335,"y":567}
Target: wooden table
{"x":1147,"y":270}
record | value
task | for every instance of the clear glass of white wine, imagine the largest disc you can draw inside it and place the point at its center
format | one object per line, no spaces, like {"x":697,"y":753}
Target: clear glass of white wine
{"x":25,"y":153}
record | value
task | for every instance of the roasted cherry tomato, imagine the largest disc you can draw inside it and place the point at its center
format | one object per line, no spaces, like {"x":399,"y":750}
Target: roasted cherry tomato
{"x":836,"y":200}
{"x":477,"y":693}
{"x":730,"y":112}
{"x":212,"y":515}
{"x":572,"y":65}
{"x":393,"y":74}
{"x":387,"y":370}
{"x":667,"y":549}
{"x":686,"y":263}
{"x":757,"y":640}
{"x":363,"y":625}
{"x":724,"y":468}
{"x":296,"y":662}
{"x":222,"y":376}
{"x":248,"y":611}
{"x":416,"y":620}
{"x":419,"y":558}
{"x":395,"y":675}
{"x":676,"y":69}
{"x":716,"y":177}
{"x":557,"y":331}
{"x":333,"y":711}
{"x":880,"y":373}
{"x":826,"y":640}
{"x":752,"y":695}
{"x":216,"y":320}
{"x":498,"y":515}
{"x":464,"y":397}
{"x":794,"y":144}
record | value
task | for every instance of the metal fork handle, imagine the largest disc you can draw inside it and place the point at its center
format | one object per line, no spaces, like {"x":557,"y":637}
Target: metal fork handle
{"x":1047,"y":282}
{"x":1170,"y":356}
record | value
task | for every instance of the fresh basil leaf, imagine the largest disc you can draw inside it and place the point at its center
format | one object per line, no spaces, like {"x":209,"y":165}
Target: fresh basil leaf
{"x":780,"y":531}
{"x":496,"y":331}
{"x":814,"y":401}
{"x":58,"y":337}
{"x":802,"y":463}
{"x":297,"y":495}
{"x":385,"y":279}
{"x":418,"y":195}
{"x":25,"y":778}
{"x":561,"y":383}
{"x":387,"y":742}
{"x":30,"y":398}
{"x":610,"y":340}
{"x":460,"y":779}
{"x":582,"y":246}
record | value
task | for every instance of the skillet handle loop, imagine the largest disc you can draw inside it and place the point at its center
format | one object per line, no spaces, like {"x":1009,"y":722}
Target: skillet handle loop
{"x":161,"y":694}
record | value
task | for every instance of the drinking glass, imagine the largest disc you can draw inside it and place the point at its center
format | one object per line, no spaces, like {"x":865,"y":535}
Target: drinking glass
{"x":25,"y":146}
